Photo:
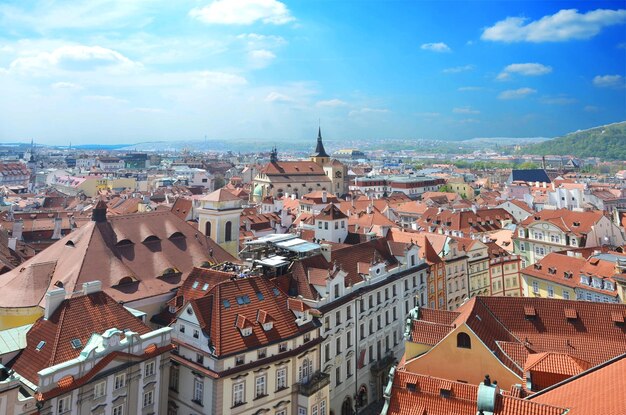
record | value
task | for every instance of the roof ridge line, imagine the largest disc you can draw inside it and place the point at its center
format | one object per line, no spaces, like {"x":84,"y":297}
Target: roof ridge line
{"x":58,"y":333}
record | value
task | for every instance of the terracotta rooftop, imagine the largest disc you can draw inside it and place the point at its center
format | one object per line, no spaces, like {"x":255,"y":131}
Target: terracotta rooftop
{"x":135,"y":256}
{"x":414,"y":394}
{"x":235,"y":304}
{"x":567,"y":220}
{"x":331,"y":212}
{"x":76,"y":318}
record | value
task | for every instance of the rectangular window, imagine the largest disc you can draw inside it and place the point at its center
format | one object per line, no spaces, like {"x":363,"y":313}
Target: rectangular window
{"x":326,"y":323}
{"x":338,"y":317}
{"x":240,"y":359}
{"x":348,"y":368}
{"x":64,"y":404}
{"x":149,"y":369}
{"x":198,"y":390}
{"x":327,"y":352}
{"x":119,"y":381}
{"x":281,"y":378}
{"x":196,"y":334}
{"x":349,"y":339}
{"x":362,"y":331}
{"x":323,"y":407}
{"x":99,"y":389}
{"x":338,"y":376}
{"x":535,"y":287}
{"x":550,"y":291}
{"x":565,"y":295}
{"x":338,"y":344}
{"x":148,"y":398}
{"x":174,"y":375}
{"x":371,"y":353}
{"x":260,"y":387}
{"x":118,"y":410}
{"x":199,"y":358}
{"x":393,"y":290}
{"x":238,"y":393}
{"x":348,"y":313}
{"x":262,"y":353}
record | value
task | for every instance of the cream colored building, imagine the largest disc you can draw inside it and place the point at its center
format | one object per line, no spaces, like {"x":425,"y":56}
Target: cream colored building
{"x":218,"y":218}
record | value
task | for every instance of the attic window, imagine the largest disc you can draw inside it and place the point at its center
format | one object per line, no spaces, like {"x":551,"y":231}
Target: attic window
{"x":571,"y":314}
{"x":195,"y":284}
{"x":70,"y":243}
{"x":268,"y":326}
{"x":176,"y":235}
{"x":529,"y":312}
{"x":576,"y":223}
{"x":76,"y":343}
{"x":259,"y":295}
{"x":618,"y":318}
{"x":124,"y":242}
{"x":567,"y":274}
{"x":226,"y":303}
{"x":412,"y":387}
{"x":151,"y":238}
{"x":552,"y":270}
{"x":58,"y":284}
{"x":246,"y":331}
{"x":40,"y":345}
{"x":125,"y":281}
{"x":276,"y":292}
{"x":205,"y":286}
{"x":537,"y":266}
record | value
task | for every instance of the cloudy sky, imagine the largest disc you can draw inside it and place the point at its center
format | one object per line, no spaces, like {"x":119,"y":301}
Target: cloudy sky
{"x":107,"y":71}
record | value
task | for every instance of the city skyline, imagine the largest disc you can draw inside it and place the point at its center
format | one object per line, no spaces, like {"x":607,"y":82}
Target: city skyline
{"x":107,"y":71}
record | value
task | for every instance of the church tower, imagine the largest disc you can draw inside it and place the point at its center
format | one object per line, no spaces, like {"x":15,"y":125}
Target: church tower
{"x":218,"y":218}
{"x":320,"y":157}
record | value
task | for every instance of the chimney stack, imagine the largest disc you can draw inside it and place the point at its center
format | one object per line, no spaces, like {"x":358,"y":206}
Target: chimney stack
{"x":56,"y":233}
{"x":324,"y":197}
{"x":54,"y":298}
{"x":92,"y":287}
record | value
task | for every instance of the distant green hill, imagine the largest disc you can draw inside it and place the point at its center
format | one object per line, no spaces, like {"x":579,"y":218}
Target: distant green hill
{"x":607,"y":142}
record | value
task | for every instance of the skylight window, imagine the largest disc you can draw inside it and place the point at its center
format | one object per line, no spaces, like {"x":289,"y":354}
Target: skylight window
{"x":40,"y":345}
{"x":76,"y":343}
{"x":259,"y":295}
{"x":226,"y":303}
{"x":276,"y":292}
{"x":205,"y":287}
{"x":240,"y":300}
{"x":195,"y":284}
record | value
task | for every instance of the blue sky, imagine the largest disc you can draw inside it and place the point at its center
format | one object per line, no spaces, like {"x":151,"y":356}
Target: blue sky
{"x":105,"y":71}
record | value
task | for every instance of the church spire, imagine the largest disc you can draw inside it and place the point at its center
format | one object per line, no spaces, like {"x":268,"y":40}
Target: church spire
{"x":319,"y":149}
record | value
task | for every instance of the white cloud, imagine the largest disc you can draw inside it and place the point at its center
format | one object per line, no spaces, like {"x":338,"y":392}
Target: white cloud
{"x":436,"y":47}
{"x":526,"y":69}
{"x":206,"y":78}
{"x":260,"y":58}
{"x":258,"y":41}
{"x":465,"y":110}
{"x":558,"y":100}
{"x":243,"y":12}
{"x":561,"y":26}
{"x":66,"y":85}
{"x":331,"y":103}
{"x":469,"y":88}
{"x":278,"y":97}
{"x":458,"y":69}
{"x":608,"y":81}
{"x":516,"y":93}
{"x":72,"y":58}
{"x":363,"y":111}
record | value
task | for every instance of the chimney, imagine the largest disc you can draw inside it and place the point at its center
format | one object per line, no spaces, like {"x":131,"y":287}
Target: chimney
{"x":18,"y":226}
{"x":99,"y":212}
{"x":54,"y":298}
{"x":326,"y":251}
{"x":12,"y":244}
{"x":56,"y":233}
{"x":92,"y":287}
{"x":488,"y":392}
{"x":324,"y":197}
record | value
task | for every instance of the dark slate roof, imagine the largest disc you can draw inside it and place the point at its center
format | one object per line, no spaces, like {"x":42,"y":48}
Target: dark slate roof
{"x":319,"y":149}
{"x":530,"y":175}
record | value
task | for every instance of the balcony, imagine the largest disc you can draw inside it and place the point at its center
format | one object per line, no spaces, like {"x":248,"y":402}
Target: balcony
{"x":316,"y":382}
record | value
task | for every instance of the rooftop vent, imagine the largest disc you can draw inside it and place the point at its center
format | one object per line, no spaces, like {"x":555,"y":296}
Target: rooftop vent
{"x":530,"y":312}
{"x":571,"y":314}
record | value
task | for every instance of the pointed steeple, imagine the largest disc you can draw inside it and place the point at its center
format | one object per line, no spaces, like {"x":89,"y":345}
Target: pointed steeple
{"x":319,"y":149}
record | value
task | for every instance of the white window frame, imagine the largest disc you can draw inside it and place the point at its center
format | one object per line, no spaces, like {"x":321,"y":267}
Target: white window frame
{"x":148,"y":398}
{"x":260,"y":386}
{"x":239,"y":391}
{"x":281,"y":378}
{"x":118,"y":410}
{"x":119,"y":381}
{"x":150,"y":368}
{"x":99,"y":389}
{"x":198,"y":390}
{"x":64,"y":404}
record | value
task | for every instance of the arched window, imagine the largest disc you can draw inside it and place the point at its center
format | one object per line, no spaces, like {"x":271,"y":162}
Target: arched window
{"x":228,"y":231}
{"x":207,"y":228}
{"x":463,"y":341}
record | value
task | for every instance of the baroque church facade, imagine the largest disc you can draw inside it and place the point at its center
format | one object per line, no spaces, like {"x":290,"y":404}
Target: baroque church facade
{"x":286,"y":178}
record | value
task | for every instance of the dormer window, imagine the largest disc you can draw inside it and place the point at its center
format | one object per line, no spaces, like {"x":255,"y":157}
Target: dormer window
{"x":268,"y":326}
{"x":246,"y":331}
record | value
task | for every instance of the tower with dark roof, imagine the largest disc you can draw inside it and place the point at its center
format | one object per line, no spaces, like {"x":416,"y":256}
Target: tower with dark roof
{"x":320,"y":156}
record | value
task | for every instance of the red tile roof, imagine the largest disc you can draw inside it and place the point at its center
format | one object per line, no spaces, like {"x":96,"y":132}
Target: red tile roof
{"x":76,"y":318}
{"x":237,"y":303}
{"x":413,"y":394}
